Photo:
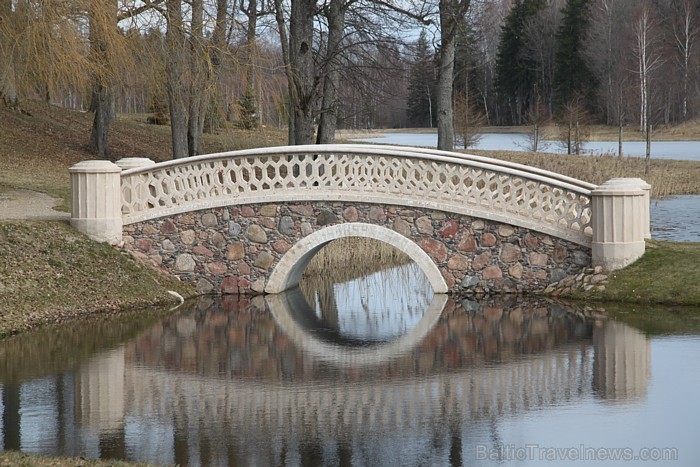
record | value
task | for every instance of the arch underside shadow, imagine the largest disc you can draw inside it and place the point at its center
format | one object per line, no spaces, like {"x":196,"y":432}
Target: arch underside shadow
{"x":287,"y":273}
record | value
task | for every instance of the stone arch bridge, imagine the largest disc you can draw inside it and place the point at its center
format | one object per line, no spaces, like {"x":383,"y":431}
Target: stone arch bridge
{"x":249,"y":221}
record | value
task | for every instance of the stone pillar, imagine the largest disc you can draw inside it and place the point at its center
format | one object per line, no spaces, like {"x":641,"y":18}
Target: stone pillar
{"x":639,"y":183}
{"x":620,"y":209}
{"x":96,"y":200}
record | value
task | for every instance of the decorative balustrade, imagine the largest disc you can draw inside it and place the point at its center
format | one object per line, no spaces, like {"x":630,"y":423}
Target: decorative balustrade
{"x":469,"y":185}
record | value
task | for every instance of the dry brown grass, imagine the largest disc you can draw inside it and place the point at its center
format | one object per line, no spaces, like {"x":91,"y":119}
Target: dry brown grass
{"x":667,"y":177}
{"x":348,"y":258}
{"x":36,"y":150}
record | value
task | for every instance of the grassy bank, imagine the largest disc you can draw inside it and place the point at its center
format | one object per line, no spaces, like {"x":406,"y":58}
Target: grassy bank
{"x":50,"y":273}
{"x":13,"y":458}
{"x":668,"y":273}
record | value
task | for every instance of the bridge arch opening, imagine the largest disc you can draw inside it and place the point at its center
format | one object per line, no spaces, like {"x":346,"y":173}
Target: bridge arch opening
{"x":291,"y":266}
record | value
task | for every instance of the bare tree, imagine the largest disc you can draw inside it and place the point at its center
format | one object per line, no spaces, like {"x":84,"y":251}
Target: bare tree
{"x":103,"y":31}
{"x":452,"y":13}
{"x":469,"y":120}
{"x":215,"y":115}
{"x":334,"y":12}
{"x":535,"y":119}
{"x":685,"y":34}
{"x":647,"y":52}
{"x":42,"y":49}
{"x":177,"y":79}
{"x":298,"y":53}
{"x":574,"y":119}
{"x":199,"y":78}
{"x":8,"y":86}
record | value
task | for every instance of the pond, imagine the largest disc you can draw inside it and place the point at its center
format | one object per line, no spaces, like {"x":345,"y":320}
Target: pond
{"x":681,"y":150}
{"x":374,"y":370}
{"x":676,"y":219}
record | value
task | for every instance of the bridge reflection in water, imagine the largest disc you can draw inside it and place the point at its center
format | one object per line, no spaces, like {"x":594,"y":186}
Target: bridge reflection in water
{"x":247,"y":382}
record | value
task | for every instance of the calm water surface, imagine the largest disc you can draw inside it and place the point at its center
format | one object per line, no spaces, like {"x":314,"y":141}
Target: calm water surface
{"x":676,"y":219}
{"x":681,"y":150}
{"x":374,"y":371}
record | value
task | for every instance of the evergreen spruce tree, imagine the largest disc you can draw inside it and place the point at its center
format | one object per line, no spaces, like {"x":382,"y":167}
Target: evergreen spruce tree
{"x":515,"y":72}
{"x":572,"y":76}
{"x":420,"y":102}
{"x":249,"y":114}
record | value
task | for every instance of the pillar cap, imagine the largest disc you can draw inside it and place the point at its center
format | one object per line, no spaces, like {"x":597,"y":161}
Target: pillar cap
{"x":127,"y":163}
{"x":619,"y":187}
{"x":97,"y":166}
{"x":638,"y":182}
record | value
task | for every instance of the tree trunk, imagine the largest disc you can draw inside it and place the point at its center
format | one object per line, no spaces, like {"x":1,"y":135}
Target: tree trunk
{"x":103,"y":16}
{"x":619,"y":138}
{"x":301,"y":61}
{"x":251,"y":53}
{"x":195,"y":123}
{"x":102,"y":104}
{"x":647,"y":159}
{"x":284,"y":42}
{"x":443,"y":88}
{"x":217,"y":114}
{"x":176,"y":82}
{"x":329,"y":107}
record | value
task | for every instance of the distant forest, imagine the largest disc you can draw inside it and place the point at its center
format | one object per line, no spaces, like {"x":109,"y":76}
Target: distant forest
{"x":318,"y":66}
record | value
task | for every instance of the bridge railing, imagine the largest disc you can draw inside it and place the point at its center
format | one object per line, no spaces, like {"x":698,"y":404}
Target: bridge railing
{"x":469,"y":185}
{"x":465,"y":184}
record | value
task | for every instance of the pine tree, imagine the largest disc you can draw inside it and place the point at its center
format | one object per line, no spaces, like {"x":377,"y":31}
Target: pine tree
{"x":515,"y":72}
{"x":572,"y":76}
{"x":421,"y":85}
{"x":248,"y":110}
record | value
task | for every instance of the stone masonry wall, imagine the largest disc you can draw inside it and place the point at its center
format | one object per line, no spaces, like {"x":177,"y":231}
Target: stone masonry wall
{"x":233,"y":250}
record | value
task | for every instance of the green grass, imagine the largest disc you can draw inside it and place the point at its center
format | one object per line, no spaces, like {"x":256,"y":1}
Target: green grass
{"x":668,"y":273}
